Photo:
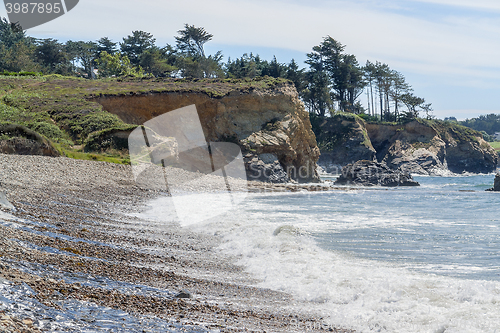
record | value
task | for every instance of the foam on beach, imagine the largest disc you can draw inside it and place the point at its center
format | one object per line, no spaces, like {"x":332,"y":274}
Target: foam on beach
{"x":275,"y":237}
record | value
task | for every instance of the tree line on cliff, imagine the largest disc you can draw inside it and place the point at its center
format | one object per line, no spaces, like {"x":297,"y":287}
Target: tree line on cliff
{"x":487,"y":124}
{"x":333,"y":80}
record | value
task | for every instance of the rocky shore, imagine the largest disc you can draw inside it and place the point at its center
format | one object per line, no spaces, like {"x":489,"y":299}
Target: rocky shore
{"x":369,"y":173}
{"x":74,"y":257}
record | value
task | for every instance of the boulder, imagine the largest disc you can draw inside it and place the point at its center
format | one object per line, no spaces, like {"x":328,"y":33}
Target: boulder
{"x":369,"y":173}
{"x":265,"y":167}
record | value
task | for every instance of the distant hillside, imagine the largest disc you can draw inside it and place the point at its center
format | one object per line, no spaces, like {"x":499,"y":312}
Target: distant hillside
{"x":488,"y":123}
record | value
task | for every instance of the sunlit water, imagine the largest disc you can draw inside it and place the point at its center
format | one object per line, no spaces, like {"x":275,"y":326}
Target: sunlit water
{"x":420,"y":259}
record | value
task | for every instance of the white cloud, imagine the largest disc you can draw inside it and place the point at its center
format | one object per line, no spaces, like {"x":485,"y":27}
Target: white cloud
{"x":476,"y":4}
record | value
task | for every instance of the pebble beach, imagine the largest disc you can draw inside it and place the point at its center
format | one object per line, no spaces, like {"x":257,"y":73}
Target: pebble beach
{"x":75,"y":256}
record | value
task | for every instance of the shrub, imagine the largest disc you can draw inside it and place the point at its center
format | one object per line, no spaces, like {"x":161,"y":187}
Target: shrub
{"x":51,"y":131}
{"x":7,"y":73}
{"x":96,"y":121}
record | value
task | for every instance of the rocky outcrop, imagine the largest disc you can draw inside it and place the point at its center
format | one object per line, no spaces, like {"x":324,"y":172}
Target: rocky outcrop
{"x":432,"y":147}
{"x":265,"y":167}
{"x":271,"y":126}
{"x":21,"y":140}
{"x":369,"y":173}
{"x":418,"y":147}
{"x":496,"y":184}
{"x":343,"y":139}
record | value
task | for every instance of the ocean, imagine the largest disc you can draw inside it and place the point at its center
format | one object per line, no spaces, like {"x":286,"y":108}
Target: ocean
{"x":419,"y":259}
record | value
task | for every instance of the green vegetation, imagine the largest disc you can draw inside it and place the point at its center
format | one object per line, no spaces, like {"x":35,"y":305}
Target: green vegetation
{"x":105,"y":140}
{"x":7,"y":73}
{"x":332,"y":131}
{"x":448,"y":129}
{"x":495,"y":145}
{"x":39,"y":122}
{"x":490,"y":123}
{"x":63,"y":109}
{"x":118,"y":159}
{"x":333,"y":80}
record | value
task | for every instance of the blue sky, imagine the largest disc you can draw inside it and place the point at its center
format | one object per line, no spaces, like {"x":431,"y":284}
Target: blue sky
{"x":448,"y":50}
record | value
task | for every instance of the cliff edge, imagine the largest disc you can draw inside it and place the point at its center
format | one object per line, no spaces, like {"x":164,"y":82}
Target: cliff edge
{"x":264,"y":116}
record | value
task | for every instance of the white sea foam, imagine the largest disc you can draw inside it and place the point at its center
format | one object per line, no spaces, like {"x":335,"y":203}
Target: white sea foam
{"x":407,"y":262}
{"x":366,"y":295}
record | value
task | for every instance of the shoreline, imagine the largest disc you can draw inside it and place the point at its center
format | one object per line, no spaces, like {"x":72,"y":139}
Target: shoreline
{"x":76,"y":217}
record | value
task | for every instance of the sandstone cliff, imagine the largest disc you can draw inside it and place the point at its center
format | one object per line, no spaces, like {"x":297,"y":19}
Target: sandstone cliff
{"x":271,"y":126}
{"x":420,"y":147}
{"x":264,"y":116}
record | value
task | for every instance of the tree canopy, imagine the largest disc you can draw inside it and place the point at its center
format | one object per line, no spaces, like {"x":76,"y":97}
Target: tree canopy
{"x":489,"y":123}
{"x":332,"y":80}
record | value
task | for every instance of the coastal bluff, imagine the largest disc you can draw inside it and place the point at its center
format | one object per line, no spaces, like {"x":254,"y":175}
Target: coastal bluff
{"x":271,"y":126}
{"x":425,"y":147}
{"x":263,"y":116}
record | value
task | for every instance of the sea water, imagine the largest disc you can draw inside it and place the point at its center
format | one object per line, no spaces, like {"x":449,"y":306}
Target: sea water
{"x":419,"y":259}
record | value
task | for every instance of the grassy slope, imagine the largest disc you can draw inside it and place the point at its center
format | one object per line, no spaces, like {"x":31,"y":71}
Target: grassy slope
{"x":61,"y":108}
{"x":495,"y":145}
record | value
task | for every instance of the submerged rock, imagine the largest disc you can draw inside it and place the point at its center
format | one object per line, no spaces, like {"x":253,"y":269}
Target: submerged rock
{"x":369,"y":173}
{"x":496,"y":184}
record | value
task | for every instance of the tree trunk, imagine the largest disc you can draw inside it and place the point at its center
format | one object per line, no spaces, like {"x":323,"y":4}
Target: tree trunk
{"x":381,"y":106}
{"x":396,"y":110}
{"x":387,"y":106}
{"x":373,"y":104}
{"x":368,"y":97}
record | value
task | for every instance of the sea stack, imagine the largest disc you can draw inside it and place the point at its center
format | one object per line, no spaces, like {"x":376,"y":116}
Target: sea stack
{"x":496,"y":184}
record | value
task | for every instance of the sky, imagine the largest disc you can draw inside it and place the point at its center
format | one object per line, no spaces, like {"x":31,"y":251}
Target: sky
{"x":448,"y":50}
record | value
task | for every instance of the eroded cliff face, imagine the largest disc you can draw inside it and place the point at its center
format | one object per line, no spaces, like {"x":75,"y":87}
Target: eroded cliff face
{"x":343,"y":140}
{"x":271,"y":126}
{"x":431,"y":148}
{"x":412,"y":147}
{"x":419,"y":147}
